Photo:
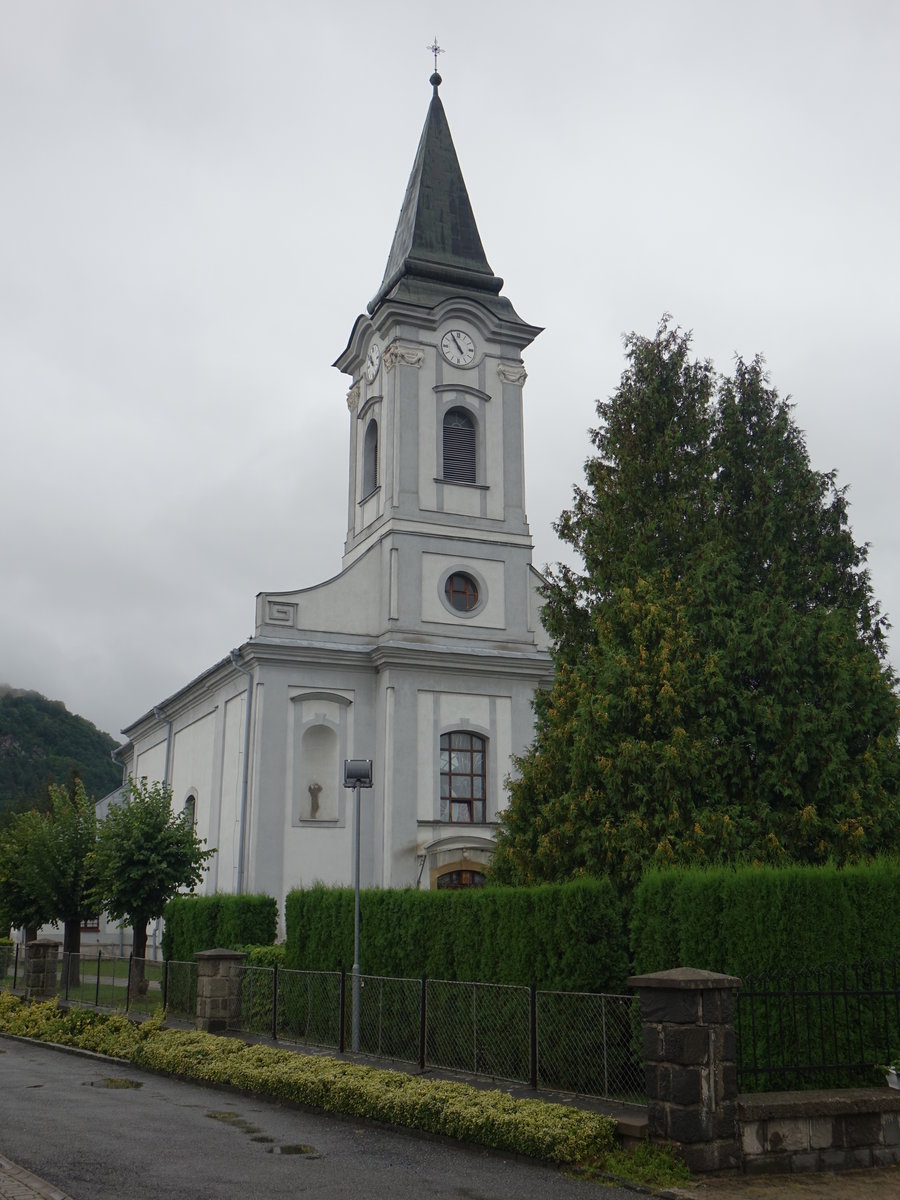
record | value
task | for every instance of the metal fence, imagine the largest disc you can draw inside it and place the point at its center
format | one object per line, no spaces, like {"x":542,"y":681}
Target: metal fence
{"x":111,"y":982}
{"x":575,"y":1042}
{"x":817,"y":1028}
{"x":578,"y":1042}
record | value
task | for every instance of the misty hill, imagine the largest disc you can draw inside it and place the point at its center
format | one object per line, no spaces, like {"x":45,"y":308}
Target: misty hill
{"x":41,"y":742}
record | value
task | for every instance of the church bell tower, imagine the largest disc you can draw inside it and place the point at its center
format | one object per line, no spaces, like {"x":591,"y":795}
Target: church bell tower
{"x":436,"y":443}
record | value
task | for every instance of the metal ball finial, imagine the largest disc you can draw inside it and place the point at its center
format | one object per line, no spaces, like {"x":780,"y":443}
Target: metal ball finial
{"x":435,"y":81}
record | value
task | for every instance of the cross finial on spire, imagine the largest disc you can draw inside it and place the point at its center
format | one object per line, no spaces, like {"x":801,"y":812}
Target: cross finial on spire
{"x":435,"y":50}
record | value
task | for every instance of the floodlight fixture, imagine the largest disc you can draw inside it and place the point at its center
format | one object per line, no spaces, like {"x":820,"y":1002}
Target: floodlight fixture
{"x":357,"y":772}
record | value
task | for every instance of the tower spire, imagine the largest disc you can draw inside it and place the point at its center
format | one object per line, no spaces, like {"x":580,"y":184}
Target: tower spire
{"x":436,"y":239}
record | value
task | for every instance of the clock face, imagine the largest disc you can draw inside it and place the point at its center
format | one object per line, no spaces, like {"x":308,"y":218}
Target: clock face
{"x":373,"y":362}
{"x":458,"y":348}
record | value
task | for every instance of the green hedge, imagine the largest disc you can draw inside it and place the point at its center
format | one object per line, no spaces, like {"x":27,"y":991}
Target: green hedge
{"x":788,"y":933}
{"x":196,"y":923}
{"x":755,"y":920}
{"x":568,"y":936}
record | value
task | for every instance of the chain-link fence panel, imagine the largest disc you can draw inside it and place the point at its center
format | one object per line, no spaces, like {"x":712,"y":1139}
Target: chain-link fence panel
{"x":389,"y":1012}
{"x":257,"y":1000}
{"x":11,"y":957}
{"x":309,"y":1007}
{"x":590,"y":1044}
{"x":145,"y":992}
{"x":181,"y":989}
{"x":478,"y":1028}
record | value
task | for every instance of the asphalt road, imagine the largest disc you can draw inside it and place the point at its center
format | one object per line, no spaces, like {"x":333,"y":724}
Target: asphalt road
{"x":100,"y":1131}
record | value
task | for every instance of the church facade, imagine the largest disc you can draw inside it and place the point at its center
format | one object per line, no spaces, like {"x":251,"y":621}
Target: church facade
{"x":424,"y":653}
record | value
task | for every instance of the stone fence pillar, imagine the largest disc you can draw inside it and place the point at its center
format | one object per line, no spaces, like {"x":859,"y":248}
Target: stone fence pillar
{"x":689,"y":1051}
{"x":219,"y":974}
{"x":41,"y":960}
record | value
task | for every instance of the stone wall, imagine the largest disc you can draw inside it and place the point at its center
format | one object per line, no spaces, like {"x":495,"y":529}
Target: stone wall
{"x":691,"y":1077}
{"x":819,"y":1131}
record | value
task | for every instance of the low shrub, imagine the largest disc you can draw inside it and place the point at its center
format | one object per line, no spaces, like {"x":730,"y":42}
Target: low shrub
{"x":551,"y":1132}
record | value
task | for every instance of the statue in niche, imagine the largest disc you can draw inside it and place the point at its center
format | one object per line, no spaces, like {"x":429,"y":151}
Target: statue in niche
{"x":314,"y":789}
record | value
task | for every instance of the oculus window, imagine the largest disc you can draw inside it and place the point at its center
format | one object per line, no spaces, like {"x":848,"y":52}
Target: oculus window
{"x":461,"y":591}
{"x":462,"y":778}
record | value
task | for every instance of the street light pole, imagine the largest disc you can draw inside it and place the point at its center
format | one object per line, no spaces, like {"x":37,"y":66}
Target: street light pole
{"x":357,"y":775}
{"x":355,"y":1032}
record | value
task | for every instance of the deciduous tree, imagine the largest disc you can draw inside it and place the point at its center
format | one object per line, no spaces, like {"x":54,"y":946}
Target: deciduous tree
{"x":45,"y":866}
{"x":145,"y":855}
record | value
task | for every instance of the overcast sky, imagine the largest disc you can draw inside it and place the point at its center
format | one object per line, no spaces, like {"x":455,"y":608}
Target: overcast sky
{"x":198,"y":197}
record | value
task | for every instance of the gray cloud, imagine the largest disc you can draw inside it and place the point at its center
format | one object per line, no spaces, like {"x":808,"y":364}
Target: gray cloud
{"x":199,"y":199}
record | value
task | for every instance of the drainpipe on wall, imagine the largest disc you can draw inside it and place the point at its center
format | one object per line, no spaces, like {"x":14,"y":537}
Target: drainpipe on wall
{"x":245,"y":772}
{"x":114,"y":755}
{"x":161,"y":716}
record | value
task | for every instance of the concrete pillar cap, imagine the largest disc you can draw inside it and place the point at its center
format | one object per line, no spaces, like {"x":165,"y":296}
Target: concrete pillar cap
{"x":685,"y":979}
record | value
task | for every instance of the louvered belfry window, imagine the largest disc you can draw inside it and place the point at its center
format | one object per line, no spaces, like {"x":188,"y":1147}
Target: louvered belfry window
{"x":459,"y":446}
{"x":370,"y":459}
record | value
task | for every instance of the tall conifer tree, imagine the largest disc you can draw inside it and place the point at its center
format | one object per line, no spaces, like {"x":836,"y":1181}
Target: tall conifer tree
{"x":721,"y":691}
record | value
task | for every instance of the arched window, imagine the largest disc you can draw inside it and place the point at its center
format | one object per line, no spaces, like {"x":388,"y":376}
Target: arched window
{"x":454,"y":880}
{"x":370,"y":459}
{"x":462,"y":778}
{"x":459,"y":446}
{"x":189,"y":812}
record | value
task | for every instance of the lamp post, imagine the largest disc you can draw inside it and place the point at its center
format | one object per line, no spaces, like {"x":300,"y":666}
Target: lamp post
{"x":357,"y":774}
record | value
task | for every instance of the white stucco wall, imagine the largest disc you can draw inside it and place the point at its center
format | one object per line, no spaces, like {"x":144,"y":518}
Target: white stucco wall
{"x":151,"y":762}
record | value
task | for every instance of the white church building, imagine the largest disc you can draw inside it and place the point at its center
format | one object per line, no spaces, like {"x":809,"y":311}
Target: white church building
{"x":424,"y":653}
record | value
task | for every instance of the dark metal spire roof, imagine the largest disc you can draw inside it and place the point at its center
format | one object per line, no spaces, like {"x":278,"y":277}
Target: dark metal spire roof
{"x":437,"y":240}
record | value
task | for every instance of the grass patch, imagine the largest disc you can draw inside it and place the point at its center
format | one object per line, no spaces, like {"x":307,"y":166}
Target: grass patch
{"x":648,"y":1164}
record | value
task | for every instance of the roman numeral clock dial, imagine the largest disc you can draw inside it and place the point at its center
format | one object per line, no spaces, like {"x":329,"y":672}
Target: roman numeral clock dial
{"x":458,"y":348}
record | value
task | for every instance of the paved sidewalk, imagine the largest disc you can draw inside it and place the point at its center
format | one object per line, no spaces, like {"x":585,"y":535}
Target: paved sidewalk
{"x":881,"y":1183}
{"x":18,"y":1184}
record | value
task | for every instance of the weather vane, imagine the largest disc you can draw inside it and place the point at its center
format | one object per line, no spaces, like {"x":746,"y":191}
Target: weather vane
{"x":435,"y":50}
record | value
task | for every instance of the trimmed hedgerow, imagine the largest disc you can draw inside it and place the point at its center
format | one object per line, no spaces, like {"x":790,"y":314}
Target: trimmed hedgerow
{"x":754,"y":920}
{"x":567,"y":936}
{"x":551,"y":1132}
{"x":778,"y":929}
{"x":194,"y":923}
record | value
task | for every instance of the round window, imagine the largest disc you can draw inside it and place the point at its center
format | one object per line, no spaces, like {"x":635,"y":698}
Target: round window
{"x":461,"y":592}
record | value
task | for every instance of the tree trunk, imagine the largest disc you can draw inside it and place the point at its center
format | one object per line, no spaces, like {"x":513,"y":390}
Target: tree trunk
{"x":138,"y":954}
{"x":31,"y":932}
{"x":71,"y":953}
